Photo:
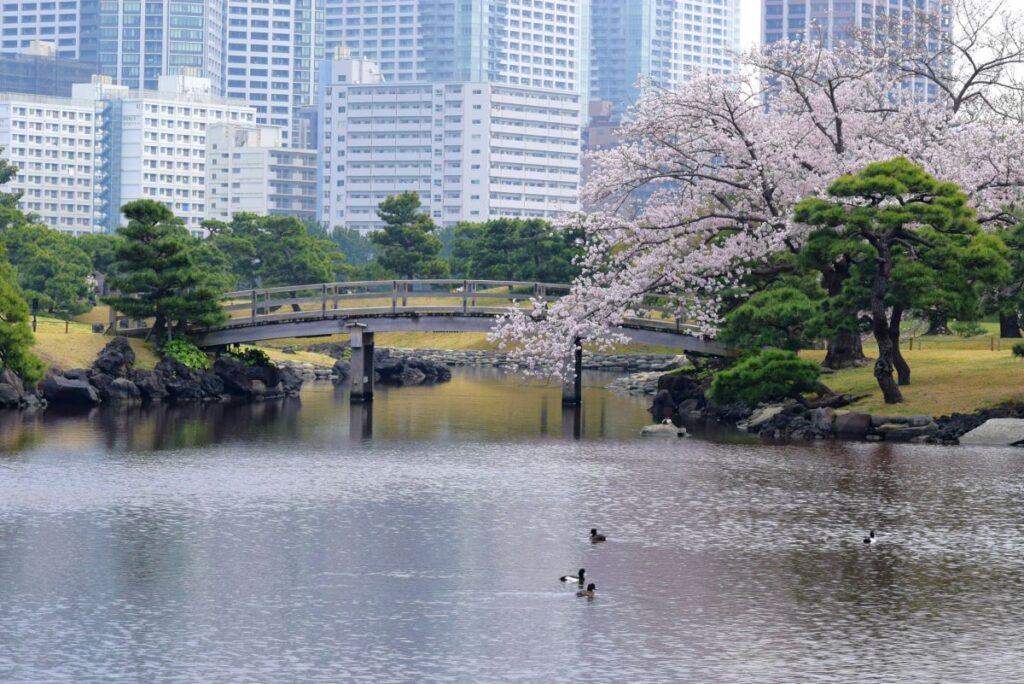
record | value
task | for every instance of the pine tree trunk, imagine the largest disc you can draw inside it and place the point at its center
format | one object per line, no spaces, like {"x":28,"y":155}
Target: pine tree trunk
{"x":885,"y":363}
{"x":159,"y":330}
{"x":845,"y":350}
{"x":938,"y":324}
{"x":1009,"y":325}
{"x":902,"y":367}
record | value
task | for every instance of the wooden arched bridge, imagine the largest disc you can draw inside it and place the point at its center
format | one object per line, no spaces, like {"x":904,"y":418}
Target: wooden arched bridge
{"x":364,"y":307}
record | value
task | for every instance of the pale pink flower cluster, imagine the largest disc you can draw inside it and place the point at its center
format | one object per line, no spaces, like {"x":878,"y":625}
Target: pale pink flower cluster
{"x":722,"y":160}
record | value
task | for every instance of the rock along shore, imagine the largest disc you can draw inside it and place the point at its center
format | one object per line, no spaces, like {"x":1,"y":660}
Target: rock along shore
{"x":680,"y":395}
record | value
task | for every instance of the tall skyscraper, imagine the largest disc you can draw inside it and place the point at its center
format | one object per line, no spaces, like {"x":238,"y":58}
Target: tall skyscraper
{"x":532,"y":43}
{"x":664,"y":40}
{"x":834,"y":21}
{"x":135,"y":43}
{"x":273,"y":57}
{"x":25,"y":21}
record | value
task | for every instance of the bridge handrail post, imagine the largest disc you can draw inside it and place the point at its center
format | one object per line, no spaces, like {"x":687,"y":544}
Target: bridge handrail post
{"x":252,"y":315}
{"x":405,"y":293}
{"x":323,"y":300}
{"x":394,"y":296}
{"x":335,"y":292}
{"x":473,"y":301}
{"x":465,"y":299}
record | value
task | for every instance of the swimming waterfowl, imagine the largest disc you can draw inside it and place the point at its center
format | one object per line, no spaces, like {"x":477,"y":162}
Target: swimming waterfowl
{"x":595,"y":537}
{"x":870,"y":539}
{"x":588,"y":592}
{"x":578,"y":578}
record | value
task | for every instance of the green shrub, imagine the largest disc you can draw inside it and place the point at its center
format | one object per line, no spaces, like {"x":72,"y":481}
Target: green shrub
{"x":967,"y":329}
{"x":771,"y":375}
{"x":1018,"y":350}
{"x":185,"y":353}
{"x":250,"y":356}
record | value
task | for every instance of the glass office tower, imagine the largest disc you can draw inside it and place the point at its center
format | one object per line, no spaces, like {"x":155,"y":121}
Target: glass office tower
{"x":536,"y":43}
{"x":664,"y":40}
{"x":136,"y":42}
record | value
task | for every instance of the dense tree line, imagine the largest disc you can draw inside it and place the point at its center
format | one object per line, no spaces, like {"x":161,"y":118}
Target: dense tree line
{"x":154,"y":269}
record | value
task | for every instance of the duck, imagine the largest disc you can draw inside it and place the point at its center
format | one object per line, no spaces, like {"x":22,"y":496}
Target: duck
{"x":578,"y":578}
{"x":870,"y":539}
{"x":588,"y":592}
{"x":595,"y":537}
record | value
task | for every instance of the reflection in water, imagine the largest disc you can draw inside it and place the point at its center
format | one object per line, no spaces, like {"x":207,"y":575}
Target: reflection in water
{"x":303,"y":540}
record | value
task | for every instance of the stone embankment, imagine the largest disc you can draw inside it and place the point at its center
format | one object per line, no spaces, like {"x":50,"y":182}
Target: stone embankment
{"x":114,"y":379}
{"x":680,"y":395}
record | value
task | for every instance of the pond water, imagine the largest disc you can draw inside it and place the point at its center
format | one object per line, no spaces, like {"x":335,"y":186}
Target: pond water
{"x":301,"y":542}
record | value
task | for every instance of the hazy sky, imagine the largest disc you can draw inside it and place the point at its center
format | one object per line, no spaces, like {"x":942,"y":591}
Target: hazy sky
{"x":750,"y":14}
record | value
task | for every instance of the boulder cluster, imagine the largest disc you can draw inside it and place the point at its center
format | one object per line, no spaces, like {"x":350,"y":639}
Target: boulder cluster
{"x":113,"y":378}
{"x":397,"y":370}
{"x":681,"y":395}
{"x":15,"y":395}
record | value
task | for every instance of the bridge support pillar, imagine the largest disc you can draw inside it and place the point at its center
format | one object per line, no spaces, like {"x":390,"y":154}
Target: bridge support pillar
{"x":572,"y":388}
{"x":362,"y":364}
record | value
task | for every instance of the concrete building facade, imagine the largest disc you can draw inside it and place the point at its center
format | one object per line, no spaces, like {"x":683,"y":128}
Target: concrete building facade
{"x":274,"y":53}
{"x":82,"y":158}
{"x":54,"y":142}
{"x":249,"y":170}
{"x":472,"y":150}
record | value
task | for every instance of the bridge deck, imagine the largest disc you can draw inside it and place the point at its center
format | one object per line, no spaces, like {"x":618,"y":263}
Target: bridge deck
{"x":266,"y":314}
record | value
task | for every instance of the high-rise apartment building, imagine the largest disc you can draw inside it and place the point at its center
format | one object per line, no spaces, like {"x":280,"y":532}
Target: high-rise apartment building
{"x":666,"y":41}
{"x":835,"y":21}
{"x":154,"y":143}
{"x":529,"y":43}
{"x":472,"y":150}
{"x":274,"y":53}
{"x":248,"y":170}
{"x":81,"y":158}
{"x":135,"y":43}
{"x":55,"y":145}
{"x":53,"y":21}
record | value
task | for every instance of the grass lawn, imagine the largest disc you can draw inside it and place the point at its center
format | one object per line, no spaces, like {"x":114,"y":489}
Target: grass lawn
{"x":948,"y":374}
{"x":79,"y":346}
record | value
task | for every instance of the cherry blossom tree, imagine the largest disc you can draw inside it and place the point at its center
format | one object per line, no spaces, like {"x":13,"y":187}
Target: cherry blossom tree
{"x":698,"y":199}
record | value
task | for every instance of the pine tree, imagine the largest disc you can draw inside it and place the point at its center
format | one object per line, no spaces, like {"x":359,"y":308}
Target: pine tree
{"x":16,"y":337}
{"x":156,"y":273}
{"x":407,"y":245}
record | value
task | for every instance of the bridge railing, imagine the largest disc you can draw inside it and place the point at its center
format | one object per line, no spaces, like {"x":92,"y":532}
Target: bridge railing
{"x":455,"y":296}
{"x":398,"y":296}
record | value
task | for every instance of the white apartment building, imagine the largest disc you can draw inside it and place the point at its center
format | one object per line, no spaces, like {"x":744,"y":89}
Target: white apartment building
{"x":472,"y":150}
{"x":82,"y":158}
{"x":54,"y":143}
{"x":154,"y":143}
{"x":248,"y":170}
